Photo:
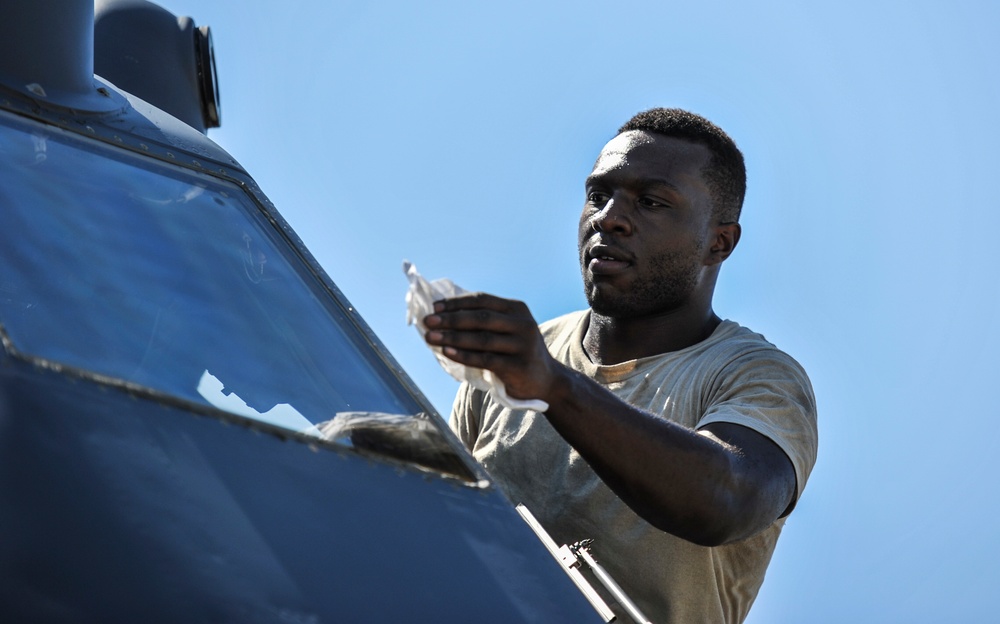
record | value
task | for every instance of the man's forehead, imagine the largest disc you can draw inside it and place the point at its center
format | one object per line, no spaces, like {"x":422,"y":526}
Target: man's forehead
{"x":629,"y":146}
{"x":616,"y":152}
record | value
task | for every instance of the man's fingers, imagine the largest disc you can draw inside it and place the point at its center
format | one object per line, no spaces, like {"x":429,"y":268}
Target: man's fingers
{"x":477,"y":301}
{"x":475,"y":341}
{"x":482,"y":320}
{"x":477,"y":359}
{"x":479,"y":319}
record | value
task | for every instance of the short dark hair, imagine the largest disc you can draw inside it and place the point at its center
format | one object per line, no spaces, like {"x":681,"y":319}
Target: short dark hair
{"x":725,"y":173}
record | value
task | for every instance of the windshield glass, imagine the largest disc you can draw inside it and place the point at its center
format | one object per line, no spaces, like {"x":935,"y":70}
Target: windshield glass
{"x":176,"y":281}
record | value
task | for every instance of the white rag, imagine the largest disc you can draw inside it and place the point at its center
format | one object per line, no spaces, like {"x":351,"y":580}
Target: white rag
{"x":420,"y":300}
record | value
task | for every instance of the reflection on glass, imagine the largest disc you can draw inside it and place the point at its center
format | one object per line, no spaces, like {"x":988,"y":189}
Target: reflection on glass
{"x":282,"y":414}
{"x":175,"y":281}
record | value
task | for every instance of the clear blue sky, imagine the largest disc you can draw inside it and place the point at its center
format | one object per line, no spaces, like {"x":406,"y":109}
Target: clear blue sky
{"x":458,"y":135}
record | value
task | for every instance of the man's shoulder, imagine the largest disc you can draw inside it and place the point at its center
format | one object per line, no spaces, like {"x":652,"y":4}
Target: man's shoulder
{"x":744,"y":358}
{"x":737,"y":341}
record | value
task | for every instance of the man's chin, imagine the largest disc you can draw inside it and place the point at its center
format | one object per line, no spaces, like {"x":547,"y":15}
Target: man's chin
{"x":608,"y":305}
{"x":624,"y":306}
{"x":612,"y":311}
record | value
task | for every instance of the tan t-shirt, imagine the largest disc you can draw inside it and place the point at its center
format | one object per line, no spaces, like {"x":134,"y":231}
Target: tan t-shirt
{"x":733,"y":376}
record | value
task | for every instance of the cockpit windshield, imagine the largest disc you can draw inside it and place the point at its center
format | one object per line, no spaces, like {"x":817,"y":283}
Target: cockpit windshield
{"x":173,"y":280}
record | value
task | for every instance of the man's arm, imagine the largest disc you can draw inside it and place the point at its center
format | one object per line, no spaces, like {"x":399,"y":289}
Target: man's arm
{"x":722,"y":483}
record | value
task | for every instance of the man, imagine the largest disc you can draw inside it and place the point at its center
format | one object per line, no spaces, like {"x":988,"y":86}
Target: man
{"x":676,"y":440}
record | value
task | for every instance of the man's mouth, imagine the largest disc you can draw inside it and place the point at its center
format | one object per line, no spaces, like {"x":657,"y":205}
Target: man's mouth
{"x":607,"y":260}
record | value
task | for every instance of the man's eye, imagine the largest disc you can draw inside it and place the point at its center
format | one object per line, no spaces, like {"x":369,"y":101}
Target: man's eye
{"x":596,"y":197}
{"x":650,"y":202}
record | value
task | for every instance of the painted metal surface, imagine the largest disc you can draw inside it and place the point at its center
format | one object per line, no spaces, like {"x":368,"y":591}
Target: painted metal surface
{"x":126,"y":499}
{"x":118,"y":507}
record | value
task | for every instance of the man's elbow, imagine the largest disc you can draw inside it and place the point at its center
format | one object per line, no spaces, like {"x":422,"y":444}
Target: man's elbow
{"x":731,"y":514}
{"x":710,"y":525}
{"x":740,"y":513}
{"x":720,"y":525}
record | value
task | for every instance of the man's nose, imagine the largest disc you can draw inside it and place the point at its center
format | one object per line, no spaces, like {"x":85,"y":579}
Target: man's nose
{"x":613,"y":217}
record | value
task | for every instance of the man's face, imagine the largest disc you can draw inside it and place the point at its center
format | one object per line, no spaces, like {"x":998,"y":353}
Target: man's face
{"x":646,"y":224}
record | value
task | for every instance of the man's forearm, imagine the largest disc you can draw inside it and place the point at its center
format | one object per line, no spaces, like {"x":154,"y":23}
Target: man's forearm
{"x":697,"y":485}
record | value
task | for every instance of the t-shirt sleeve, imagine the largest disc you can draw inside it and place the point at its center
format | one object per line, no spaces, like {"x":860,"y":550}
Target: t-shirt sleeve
{"x":768,"y":391}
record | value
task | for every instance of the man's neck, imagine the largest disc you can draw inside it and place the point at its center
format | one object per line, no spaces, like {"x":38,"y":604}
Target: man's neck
{"x":611,"y":340}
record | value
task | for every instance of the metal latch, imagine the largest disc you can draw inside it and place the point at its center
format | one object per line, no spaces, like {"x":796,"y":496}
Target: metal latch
{"x":573,"y":558}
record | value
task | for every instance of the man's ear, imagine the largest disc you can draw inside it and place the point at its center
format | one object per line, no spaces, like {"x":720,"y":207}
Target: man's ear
{"x":725,"y":237}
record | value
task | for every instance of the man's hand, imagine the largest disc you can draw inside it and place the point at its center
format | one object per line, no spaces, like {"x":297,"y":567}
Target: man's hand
{"x":499,"y":335}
